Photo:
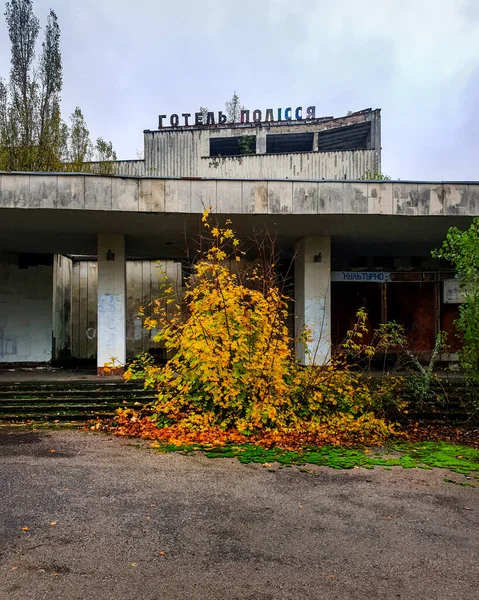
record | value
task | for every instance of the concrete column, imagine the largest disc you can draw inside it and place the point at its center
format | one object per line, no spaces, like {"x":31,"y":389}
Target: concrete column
{"x":312,"y":290}
{"x":260,"y":141}
{"x":111,"y":303}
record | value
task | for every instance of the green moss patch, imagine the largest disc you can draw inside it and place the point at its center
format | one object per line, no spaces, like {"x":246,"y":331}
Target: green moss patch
{"x":423,"y":455}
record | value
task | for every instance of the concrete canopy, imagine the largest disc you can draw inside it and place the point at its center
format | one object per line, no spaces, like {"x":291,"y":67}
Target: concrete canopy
{"x":50,"y":213}
{"x":50,"y":231}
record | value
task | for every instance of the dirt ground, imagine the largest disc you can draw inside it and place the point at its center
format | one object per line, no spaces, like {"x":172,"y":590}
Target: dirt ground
{"x":108,"y":518}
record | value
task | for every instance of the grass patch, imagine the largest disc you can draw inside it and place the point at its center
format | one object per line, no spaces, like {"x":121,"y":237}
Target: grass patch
{"x":423,"y":455}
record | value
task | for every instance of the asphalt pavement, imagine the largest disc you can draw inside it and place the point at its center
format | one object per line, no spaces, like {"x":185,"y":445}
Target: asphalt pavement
{"x":90,"y":516}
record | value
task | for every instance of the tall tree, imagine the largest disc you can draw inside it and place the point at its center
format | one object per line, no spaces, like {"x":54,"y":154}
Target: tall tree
{"x":204,"y":112}
{"x":79,"y":144}
{"x":33,"y":136}
{"x":19,"y":99}
{"x":31,"y":132}
{"x":233,"y":108}
{"x":50,"y":83}
{"x":105,"y":155}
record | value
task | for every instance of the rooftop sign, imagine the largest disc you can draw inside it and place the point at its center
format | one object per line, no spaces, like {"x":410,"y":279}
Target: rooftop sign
{"x":256,"y":116}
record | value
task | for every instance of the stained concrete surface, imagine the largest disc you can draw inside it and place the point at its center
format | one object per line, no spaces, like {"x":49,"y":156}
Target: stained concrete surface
{"x":112,"y":520}
{"x":52,"y":375}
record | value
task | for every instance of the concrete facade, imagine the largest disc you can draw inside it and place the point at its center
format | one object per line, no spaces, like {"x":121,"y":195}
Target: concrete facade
{"x":386,"y":223}
{"x":355,"y":241}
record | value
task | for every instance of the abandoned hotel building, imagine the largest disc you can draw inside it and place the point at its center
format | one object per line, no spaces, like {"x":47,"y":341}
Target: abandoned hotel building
{"x":79,"y":252}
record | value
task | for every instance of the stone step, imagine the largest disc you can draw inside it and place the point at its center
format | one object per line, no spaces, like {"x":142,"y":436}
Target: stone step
{"x":80,"y":386}
{"x":77,"y":395}
{"x":69,"y":400}
{"x":77,"y":416}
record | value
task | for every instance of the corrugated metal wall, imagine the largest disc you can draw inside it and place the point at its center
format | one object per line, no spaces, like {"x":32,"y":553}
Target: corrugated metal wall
{"x":185,"y":154}
{"x":310,"y":165}
{"x":143,"y":280}
{"x":128,"y":168}
{"x":132,"y":168}
{"x":175,"y":153}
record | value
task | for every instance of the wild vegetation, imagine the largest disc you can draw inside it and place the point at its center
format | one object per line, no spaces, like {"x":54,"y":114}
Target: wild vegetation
{"x":232,"y":371}
{"x":461,"y":248}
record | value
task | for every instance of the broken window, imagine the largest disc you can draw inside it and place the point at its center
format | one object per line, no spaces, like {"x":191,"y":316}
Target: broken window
{"x":289,"y":142}
{"x":242,"y":145}
{"x":353,"y":137}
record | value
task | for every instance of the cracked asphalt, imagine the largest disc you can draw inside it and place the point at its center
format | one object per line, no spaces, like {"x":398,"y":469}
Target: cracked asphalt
{"x":109,"y":519}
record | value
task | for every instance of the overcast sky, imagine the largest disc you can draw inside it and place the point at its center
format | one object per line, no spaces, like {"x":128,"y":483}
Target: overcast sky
{"x":418,"y":60}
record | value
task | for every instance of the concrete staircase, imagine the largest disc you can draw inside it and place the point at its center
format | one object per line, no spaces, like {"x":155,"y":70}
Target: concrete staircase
{"x":68,"y":401}
{"x":82,"y":400}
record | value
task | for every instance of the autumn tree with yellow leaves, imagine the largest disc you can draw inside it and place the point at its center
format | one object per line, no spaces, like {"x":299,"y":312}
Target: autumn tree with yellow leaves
{"x":232,"y":366}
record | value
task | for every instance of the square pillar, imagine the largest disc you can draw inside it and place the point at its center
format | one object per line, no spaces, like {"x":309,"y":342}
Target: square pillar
{"x":312,"y":292}
{"x":260,"y":141}
{"x":111,"y":304}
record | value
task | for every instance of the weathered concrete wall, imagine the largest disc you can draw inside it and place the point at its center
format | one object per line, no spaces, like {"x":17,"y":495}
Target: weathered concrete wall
{"x":84,"y":320}
{"x":25,"y":312}
{"x":143,"y":280}
{"x":143,"y":195}
{"x":62,"y":304}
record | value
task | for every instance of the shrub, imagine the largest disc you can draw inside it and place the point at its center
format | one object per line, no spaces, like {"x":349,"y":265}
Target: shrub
{"x":461,"y":248}
{"x":232,"y":364}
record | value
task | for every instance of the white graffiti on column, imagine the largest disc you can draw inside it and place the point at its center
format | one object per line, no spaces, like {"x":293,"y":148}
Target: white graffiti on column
{"x":91,"y":333}
{"x":111,"y":306}
{"x":110,"y":303}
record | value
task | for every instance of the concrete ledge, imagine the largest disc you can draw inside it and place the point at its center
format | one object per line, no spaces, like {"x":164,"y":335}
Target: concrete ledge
{"x":236,"y":196}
